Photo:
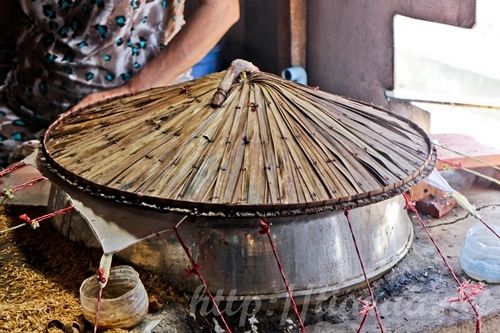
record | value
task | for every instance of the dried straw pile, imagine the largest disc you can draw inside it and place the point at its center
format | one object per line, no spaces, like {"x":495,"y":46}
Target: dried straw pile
{"x":41,"y":273}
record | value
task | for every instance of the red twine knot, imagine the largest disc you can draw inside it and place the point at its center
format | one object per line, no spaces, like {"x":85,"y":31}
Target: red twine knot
{"x":409,"y":204}
{"x":25,"y":218}
{"x":195,"y":270}
{"x":31,"y":222}
{"x":366,"y":308}
{"x":11,"y":168}
{"x":459,"y":165}
{"x":264,"y":227}
{"x":467,"y":290}
{"x":456,"y":165}
{"x":100,"y":275}
{"x":347,"y":212}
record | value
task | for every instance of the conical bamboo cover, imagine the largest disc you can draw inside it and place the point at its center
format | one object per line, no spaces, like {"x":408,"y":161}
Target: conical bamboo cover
{"x":272,"y":148}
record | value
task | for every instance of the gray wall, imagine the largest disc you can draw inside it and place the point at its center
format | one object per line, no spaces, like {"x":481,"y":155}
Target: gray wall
{"x":350,"y":42}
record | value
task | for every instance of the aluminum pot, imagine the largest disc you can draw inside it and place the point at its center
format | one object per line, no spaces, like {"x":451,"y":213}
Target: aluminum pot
{"x":317,"y":251}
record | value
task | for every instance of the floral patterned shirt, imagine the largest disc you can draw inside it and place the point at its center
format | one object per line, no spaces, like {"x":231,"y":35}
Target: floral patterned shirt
{"x":68,"y":49}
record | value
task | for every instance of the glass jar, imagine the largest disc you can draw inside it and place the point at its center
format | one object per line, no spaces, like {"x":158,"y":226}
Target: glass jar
{"x":124,"y":299}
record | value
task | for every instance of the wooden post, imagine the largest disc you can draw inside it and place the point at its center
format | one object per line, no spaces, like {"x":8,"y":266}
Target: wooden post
{"x":292,"y":33}
{"x":275,"y":34}
{"x":298,"y":32}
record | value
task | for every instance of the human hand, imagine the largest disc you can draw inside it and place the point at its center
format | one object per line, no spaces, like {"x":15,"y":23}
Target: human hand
{"x":101,"y":96}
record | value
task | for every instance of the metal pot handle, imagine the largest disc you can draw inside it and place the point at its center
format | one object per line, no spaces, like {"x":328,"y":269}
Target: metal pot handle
{"x":237,"y":67}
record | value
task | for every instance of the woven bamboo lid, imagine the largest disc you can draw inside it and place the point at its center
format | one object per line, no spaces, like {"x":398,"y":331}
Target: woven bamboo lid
{"x":261,"y":146}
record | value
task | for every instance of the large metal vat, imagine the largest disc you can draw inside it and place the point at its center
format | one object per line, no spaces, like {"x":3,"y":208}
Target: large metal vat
{"x":316,"y":250}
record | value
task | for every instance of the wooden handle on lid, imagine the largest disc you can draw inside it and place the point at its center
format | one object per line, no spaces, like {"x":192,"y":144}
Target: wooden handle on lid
{"x":237,"y":67}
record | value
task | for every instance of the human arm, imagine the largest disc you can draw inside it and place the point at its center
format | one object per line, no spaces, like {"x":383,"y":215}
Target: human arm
{"x":208,"y":24}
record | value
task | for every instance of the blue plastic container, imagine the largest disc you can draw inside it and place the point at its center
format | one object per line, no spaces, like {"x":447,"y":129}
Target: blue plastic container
{"x":209,"y":64}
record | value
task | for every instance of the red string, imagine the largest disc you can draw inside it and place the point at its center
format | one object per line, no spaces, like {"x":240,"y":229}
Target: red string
{"x":100,"y":275}
{"x":35,"y":222}
{"x":195,"y":270}
{"x":365,"y":310}
{"x":190,"y":271}
{"x":468,"y":290}
{"x":98,"y":307}
{"x":11,"y":168}
{"x":265,"y":229}
{"x":102,"y":279}
{"x":458,"y":165}
{"x":366,"y":307}
{"x":23,"y":185}
{"x":24,"y":217}
{"x":462,"y":286}
{"x":62,"y":211}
